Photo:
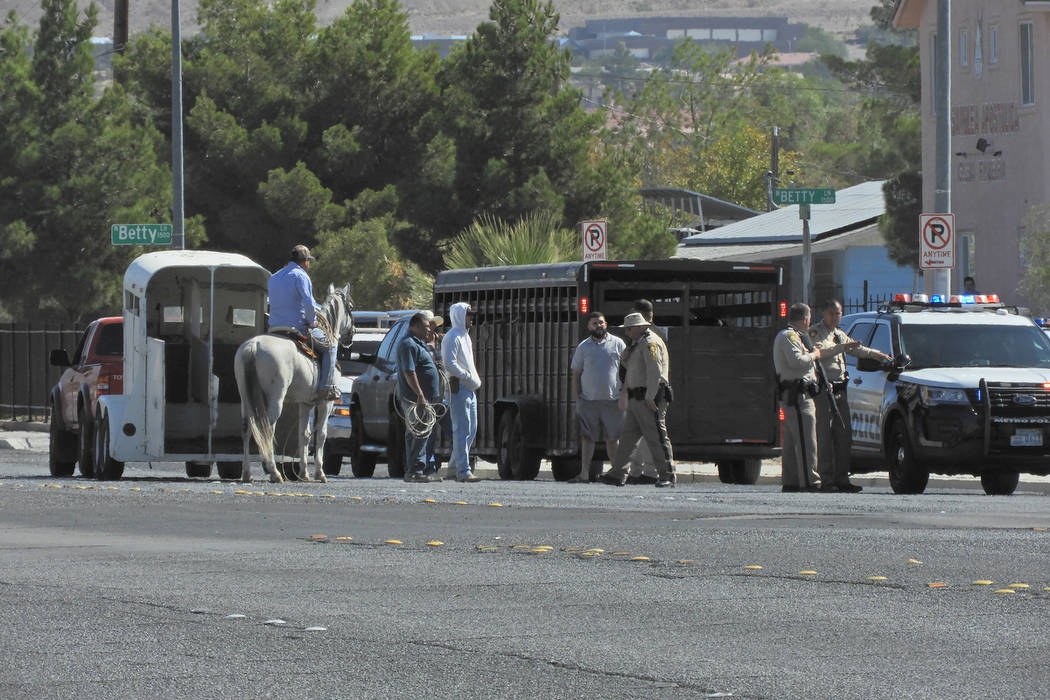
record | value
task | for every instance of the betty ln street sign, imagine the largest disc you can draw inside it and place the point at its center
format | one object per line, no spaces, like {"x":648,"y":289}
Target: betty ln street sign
{"x":141,"y":234}
{"x":804,"y":195}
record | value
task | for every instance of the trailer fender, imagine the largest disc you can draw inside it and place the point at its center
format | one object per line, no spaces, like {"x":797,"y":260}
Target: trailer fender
{"x":123,"y":447}
{"x":533,"y":417}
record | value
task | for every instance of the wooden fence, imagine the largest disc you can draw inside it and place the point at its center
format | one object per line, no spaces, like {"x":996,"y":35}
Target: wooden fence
{"x":26,"y":377}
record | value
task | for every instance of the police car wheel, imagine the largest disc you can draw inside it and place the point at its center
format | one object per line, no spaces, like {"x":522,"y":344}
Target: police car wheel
{"x":906,"y":477}
{"x":999,"y":483}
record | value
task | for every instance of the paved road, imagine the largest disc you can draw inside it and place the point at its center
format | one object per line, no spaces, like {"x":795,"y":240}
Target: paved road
{"x":162,"y":586}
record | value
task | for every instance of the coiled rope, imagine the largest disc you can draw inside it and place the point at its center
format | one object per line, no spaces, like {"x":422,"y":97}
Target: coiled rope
{"x":420,"y":418}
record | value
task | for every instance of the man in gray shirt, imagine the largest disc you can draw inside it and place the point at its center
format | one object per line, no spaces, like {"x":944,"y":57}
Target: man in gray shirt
{"x":596,"y":385}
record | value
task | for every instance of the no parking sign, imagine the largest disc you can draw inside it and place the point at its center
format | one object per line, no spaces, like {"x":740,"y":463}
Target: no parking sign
{"x":595,"y":239}
{"x":936,"y":241}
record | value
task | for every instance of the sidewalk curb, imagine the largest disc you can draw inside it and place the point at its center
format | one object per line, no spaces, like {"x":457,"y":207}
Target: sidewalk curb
{"x":19,"y":425}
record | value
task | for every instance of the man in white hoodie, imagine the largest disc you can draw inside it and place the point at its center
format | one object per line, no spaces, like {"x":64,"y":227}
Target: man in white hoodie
{"x":457,"y":354}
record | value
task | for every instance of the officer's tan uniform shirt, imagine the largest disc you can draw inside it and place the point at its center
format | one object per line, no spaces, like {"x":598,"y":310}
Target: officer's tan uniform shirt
{"x":790,"y":357}
{"x":647,"y":363}
{"x":824,"y":338}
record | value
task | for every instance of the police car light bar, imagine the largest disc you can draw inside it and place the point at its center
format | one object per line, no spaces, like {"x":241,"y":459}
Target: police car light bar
{"x":960,"y":299}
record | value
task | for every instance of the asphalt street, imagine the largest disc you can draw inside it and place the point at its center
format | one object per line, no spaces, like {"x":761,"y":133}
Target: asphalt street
{"x":162,"y":586}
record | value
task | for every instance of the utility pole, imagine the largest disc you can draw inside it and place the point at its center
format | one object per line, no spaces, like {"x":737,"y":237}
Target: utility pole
{"x":942,"y":202}
{"x":774,"y":165}
{"x":178,"y":229}
{"x":120,"y":25}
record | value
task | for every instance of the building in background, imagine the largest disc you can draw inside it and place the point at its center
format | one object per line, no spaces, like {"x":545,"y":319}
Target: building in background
{"x":849,"y":252}
{"x":999,"y":77}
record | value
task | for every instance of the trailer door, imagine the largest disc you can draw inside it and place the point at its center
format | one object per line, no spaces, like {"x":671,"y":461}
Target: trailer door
{"x":719,"y":322}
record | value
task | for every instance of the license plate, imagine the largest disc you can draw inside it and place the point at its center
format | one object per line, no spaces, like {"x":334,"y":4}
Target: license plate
{"x":1027,"y":437}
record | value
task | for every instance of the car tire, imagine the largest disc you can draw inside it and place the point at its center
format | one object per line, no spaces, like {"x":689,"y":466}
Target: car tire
{"x":85,"y":445}
{"x":229,"y":470}
{"x":395,"y":446}
{"x":198,"y":470}
{"x":516,"y":460}
{"x":106,"y":468}
{"x":61,"y":454}
{"x":999,"y":483}
{"x":333,"y":463}
{"x":906,"y":476}
{"x":362,"y":464}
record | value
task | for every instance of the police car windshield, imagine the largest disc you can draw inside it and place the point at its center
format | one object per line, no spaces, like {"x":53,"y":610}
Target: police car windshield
{"x":974,"y":346}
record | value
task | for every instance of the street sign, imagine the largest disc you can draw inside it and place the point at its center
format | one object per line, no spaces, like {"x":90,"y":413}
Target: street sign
{"x":595,"y":239}
{"x":804,"y":195}
{"x":141,"y":234}
{"x":936,"y":241}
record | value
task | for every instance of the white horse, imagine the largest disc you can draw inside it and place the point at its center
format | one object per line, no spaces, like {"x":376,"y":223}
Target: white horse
{"x":271,"y":371}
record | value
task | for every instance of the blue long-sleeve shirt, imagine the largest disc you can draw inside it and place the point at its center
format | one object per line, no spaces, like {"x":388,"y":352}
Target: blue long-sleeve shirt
{"x":292,"y":298}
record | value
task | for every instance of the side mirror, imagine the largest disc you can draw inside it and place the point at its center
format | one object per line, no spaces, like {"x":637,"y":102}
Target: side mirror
{"x":59,"y":358}
{"x":901,"y":361}
{"x":869,"y":364}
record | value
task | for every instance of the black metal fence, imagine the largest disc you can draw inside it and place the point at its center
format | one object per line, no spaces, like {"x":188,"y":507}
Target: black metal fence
{"x":854,"y":305}
{"x":26,"y":377}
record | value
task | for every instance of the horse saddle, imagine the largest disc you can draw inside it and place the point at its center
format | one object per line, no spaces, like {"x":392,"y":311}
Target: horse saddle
{"x":304,"y":343}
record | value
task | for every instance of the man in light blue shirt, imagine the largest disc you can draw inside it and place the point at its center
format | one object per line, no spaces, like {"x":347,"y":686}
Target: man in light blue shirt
{"x":292,"y":307}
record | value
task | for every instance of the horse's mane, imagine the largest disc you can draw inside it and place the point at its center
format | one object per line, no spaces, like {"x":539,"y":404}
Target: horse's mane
{"x":330,"y":308}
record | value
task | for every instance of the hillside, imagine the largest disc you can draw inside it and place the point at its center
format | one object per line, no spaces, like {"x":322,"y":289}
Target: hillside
{"x":840,"y":17}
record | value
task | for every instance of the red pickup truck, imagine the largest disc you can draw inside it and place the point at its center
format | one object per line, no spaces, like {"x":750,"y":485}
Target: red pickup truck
{"x":96,"y":368}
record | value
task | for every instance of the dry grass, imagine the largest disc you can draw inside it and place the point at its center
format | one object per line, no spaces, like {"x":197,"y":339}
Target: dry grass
{"x":840,"y":17}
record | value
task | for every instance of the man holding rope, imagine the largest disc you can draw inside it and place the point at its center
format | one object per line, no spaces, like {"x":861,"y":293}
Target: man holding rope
{"x":418,"y":389}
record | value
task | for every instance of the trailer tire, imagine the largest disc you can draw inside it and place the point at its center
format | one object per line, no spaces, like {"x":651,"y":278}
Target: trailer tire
{"x":516,"y":460}
{"x":565,"y":468}
{"x":60,"y":453}
{"x":85,"y":444}
{"x":228,"y":470}
{"x":739,"y":471}
{"x":106,"y":468}
{"x":198,"y":470}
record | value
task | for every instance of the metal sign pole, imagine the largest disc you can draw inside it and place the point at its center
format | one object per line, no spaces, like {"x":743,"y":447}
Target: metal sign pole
{"x":177,"y":206}
{"x":942,"y":279}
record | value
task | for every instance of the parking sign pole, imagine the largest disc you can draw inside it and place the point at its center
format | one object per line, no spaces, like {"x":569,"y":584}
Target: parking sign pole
{"x":177,"y":207}
{"x":941,"y":281}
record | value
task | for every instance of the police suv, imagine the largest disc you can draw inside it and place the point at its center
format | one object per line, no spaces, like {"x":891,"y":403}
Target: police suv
{"x":968,"y":392}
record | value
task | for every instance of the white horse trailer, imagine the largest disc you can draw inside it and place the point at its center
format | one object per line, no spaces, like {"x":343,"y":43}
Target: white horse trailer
{"x":185,"y":314}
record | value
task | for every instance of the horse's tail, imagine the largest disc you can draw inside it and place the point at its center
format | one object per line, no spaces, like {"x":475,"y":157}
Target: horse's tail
{"x":256,"y":419}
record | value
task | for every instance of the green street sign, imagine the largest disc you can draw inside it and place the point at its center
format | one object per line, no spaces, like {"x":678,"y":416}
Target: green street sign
{"x":141,"y":234}
{"x":804,"y":195}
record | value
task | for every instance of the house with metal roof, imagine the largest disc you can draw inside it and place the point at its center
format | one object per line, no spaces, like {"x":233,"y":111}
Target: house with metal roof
{"x":849,"y":255}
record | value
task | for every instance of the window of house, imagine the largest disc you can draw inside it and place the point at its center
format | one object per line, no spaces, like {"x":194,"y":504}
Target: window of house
{"x":964,"y":48}
{"x":978,"y":51}
{"x":993,"y":44}
{"x":1027,"y":65}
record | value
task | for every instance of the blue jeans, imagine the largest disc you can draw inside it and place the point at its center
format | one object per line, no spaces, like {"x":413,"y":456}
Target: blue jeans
{"x":464,"y":409}
{"x":326,"y":377}
{"x":415,"y":448}
{"x":443,"y":427}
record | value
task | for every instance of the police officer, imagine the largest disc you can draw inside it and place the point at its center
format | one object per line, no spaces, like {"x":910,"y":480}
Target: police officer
{"x":835,"y":434}
{"x":645,"y":395}
{"x":797,"y":379}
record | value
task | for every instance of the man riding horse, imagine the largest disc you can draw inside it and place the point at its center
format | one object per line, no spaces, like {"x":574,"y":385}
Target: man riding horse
{"x":292,"y":308}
